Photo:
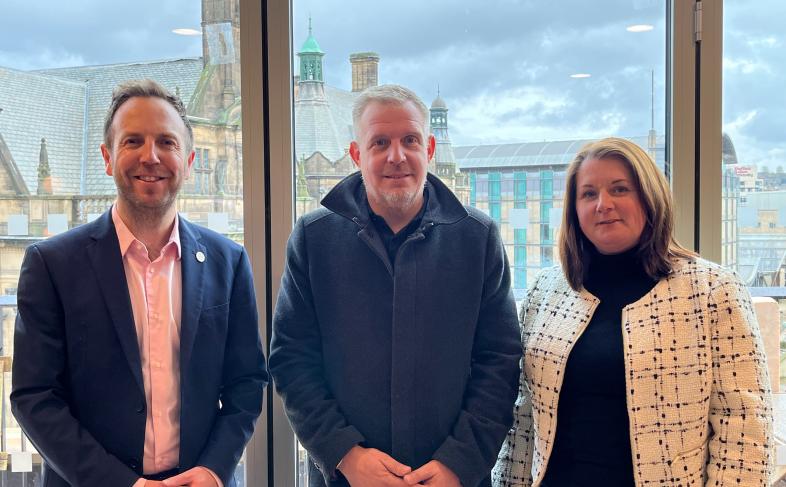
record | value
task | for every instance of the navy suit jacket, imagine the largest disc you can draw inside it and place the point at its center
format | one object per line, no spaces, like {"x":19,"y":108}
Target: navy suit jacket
{"x":77,"y":378}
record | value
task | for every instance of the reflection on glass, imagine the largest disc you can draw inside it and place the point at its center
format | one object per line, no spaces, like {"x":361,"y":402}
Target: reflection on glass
{"x":514,"y":91}
{"x":54,"y":91}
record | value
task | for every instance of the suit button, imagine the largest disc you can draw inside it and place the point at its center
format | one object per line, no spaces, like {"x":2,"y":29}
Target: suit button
{"x":134,"y":464}
{"x":140,"y":408}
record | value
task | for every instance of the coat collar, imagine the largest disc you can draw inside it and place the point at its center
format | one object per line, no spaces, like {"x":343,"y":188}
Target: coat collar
{"x":346,"y":199}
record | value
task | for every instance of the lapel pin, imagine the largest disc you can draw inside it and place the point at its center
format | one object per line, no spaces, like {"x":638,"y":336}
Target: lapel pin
{"x":200,"y":256}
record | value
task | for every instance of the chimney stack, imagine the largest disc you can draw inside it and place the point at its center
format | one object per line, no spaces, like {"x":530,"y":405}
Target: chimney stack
{"x":365,"y":70}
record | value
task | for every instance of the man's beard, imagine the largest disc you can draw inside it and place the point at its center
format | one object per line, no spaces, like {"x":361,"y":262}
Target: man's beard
{"x":142,"y":211}
{"x":400,"y":200}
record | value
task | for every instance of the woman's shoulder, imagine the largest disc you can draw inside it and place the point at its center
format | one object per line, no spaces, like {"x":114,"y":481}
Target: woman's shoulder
{"x":703,"y":271}
{"x":550,"y":278}
{"x":549,"y":285}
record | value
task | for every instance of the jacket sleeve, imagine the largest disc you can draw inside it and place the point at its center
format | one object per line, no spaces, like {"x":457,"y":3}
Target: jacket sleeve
{"x":244,"y":379}
{"x":514,"y":464}
{"x":296,"y":365}
{"x":40,"y":392}
{"x":487,"y":412}
{"x":740,"y":411}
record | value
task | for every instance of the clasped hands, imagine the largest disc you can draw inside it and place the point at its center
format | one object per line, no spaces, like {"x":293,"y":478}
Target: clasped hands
{"x":369,"y":467}
{"x":195,"y":477}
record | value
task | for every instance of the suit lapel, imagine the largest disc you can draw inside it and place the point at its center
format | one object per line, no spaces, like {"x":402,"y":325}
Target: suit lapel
{"x":107,"y":262}
{"x":194,"y":258}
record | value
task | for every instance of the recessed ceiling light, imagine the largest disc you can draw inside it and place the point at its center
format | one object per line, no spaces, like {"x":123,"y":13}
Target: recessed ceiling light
{"x":580,"y":75}
{"x":187,"y":32}
{"x":640,"y":28}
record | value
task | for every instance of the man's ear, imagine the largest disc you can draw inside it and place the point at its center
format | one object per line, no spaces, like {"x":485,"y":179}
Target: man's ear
{"x":432,"y":146}
{"x":107,"y":159}
{"x":189,"y":163}
{"x":354,"y":153}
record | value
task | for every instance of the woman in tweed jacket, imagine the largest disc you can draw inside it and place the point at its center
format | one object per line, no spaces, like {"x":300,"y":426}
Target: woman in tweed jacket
{"x":643,"y":364}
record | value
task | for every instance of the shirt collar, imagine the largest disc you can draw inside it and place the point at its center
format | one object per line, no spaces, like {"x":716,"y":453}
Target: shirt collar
{"x":126,"y":238}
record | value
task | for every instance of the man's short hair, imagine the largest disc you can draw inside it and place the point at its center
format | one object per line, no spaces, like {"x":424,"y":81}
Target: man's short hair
{"x":388,"y":94}
{"x":149,"y":89}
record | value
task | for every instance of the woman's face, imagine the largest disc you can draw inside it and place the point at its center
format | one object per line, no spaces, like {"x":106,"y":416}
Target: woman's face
{"x":608,"y":205}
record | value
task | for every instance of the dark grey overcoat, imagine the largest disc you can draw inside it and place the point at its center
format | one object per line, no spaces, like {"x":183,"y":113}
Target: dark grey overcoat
{"x":419,"y":360}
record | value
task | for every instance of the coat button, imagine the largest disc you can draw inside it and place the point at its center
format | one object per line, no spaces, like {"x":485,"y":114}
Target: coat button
{"x":140,"y":408}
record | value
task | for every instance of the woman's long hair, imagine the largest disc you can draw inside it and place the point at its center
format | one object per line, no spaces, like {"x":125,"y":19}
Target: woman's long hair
{"x":657,"y":246}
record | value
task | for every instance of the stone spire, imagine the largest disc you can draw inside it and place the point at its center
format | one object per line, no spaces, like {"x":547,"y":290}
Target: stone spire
{"x":444,"y":163}
{"x":44,"y":175}
{"x":444,"y":158}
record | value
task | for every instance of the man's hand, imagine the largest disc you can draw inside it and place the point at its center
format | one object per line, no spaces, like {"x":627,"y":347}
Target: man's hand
{"x":195,"y":477}
{"x":369,"y":466}
{"x":433,"y":473}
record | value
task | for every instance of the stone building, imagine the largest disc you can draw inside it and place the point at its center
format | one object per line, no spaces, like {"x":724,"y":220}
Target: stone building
{"x":52,"y":175}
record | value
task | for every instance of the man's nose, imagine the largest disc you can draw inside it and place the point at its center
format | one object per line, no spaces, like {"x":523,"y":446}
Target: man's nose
{"x":396,"y":153}
{"x":149,"y":153}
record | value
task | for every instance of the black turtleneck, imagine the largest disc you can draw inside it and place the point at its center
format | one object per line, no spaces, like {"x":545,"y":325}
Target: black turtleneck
{"x":592,"y":442}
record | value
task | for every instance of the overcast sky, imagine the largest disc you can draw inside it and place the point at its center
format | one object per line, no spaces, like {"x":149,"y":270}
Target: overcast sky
{"x":503,"y":66}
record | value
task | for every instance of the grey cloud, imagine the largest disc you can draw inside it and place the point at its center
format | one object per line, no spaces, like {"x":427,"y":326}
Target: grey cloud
{"x":98,"y":31}
{"x":471,"y":49}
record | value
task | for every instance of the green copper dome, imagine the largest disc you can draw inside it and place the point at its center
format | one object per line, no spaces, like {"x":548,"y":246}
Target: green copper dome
{"x":311,"y":44}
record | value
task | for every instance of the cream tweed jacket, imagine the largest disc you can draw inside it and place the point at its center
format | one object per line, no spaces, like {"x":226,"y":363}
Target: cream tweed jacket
{"x":698,"y":398}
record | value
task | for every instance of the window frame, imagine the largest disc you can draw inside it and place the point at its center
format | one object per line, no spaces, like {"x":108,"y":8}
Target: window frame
{"x":693,"y":150}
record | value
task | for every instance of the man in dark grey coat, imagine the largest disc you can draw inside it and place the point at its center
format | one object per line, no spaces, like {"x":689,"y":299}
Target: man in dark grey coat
{"x":395,"y":340}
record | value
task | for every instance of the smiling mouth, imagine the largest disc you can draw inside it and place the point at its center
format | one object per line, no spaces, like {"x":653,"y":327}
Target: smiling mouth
{"x":149,"y":179}
{"x":397,"y":176}
{"x":609,"y":222}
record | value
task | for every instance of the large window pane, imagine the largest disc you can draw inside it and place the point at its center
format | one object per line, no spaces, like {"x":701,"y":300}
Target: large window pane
{"x":58,"y":65}
{"x":515,"y":89}
{"x":754,"y":178}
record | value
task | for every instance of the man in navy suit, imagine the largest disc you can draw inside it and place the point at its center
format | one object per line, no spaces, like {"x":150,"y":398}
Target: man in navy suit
{"x":137,"y":358}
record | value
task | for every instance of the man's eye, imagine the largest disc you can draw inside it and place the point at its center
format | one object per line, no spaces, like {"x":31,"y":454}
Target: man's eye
{"x":411,"y":140}
{"x":131,"y":141}
{"x":380,"y":142}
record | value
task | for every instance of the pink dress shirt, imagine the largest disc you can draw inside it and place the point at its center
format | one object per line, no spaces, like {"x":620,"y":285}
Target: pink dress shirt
{"x":155,"y":289}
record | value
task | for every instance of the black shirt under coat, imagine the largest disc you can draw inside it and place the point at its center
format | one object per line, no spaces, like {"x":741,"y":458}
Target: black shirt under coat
{"x":592,"y":441}
{"x":392,"y":241}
